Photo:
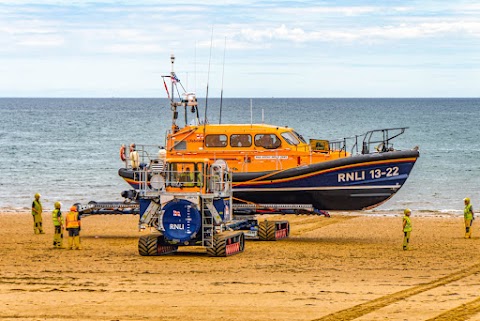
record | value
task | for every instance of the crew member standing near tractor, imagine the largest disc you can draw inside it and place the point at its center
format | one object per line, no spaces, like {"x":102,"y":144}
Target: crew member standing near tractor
{"x":37,"y":215}
{"x":58,"y":225}
{"x":469,"y":217}
{"x":73,"y":226}
{"x":407,"y":228}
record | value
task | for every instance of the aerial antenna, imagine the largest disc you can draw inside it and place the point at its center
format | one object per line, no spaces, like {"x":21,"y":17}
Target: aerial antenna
{"x":223,"y":73}
{"x":251,"y":113}
{"x":173,"y":106}
{"x":208,"y":79}
{"x":195,"y":69}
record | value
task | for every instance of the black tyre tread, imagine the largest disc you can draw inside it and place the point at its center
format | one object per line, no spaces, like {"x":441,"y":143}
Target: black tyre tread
{"x":266,"y":231}
{"x":218,"y":243}
{"x":242,"y":243}
{"x":271,"y":232}
{"x":221,"y":246}
{"x":211,"y":251}
{"x":262,"y":230}
{"x":147,"y":245}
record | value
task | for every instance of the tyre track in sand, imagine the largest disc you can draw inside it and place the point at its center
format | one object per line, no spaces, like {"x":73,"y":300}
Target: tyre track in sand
{"x":360,"y":310}
{"x":460,"y":313}
{"x":301,"y":225}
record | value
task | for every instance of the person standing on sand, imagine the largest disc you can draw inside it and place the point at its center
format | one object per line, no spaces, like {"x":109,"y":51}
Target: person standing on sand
{"x":407,"y":228}
{"x":468,"y":216}
{"x":37,"y":215}
{"x":58,"y":225}
{"x":73,"y":226}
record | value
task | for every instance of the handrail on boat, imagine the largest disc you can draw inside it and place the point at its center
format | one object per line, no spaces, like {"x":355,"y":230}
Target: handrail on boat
{"x":381,"y":139}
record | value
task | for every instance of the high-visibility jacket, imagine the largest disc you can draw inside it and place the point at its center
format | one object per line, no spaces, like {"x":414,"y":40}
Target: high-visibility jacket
{"x":134,"y":159}
{"x":408,"y":225}
{"x":37,"y":206}
{"x":468,"y":212}
{"x":72,"y":220}
{"x":57,"y":217}
{"x":188,"y":178}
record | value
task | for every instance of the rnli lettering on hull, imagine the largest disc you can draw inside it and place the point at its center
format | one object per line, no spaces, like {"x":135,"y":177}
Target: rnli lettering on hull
{"x":371,"y":174}
{"x":177,"y":226}
{"x":351,"y":177}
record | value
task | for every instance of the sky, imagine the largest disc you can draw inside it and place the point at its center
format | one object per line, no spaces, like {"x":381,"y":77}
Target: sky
{"x":248,"y":48}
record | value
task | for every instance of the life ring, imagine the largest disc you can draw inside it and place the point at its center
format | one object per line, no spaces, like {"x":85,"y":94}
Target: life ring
{"x":122,"y":153}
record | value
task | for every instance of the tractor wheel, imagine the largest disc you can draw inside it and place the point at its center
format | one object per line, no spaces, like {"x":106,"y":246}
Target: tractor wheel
{"x":218,"y":247}
{"x":147,"y":245}
{"x":266,"y":231}
{"x":242,"y":243}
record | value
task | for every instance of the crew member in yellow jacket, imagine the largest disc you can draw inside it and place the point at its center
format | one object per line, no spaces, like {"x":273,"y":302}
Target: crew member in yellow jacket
{"x":407,"y":228}
{"x":58,"y":226}
{"x":73,"y":226}
{"x":134,"y":157}
{"x":37,"y":215}
{"x":468,"y":216}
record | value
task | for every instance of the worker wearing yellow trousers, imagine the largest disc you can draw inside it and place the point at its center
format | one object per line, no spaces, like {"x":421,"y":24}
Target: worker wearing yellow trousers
{"x":37,"y":215}
{"x":73,"y":226}
{"x":407,"y":228}
{"x":468,"y":216}
{"x":58,"y":226}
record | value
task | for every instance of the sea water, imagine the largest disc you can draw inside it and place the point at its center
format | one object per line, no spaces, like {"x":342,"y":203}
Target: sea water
{"x":68,"y":149}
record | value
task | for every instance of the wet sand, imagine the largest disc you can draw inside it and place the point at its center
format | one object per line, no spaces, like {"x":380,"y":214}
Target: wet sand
{"x":340,"y":268}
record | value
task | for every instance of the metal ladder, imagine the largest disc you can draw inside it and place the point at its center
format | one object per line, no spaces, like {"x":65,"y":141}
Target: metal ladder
{"x":207,"y":223}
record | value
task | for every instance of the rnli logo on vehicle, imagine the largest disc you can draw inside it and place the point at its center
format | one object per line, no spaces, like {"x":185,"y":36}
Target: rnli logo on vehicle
{"x":199,"y":136}
{"x":176,"y":213}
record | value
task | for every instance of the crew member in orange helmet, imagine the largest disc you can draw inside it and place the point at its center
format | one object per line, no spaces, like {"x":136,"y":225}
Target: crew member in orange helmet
{"x":73,"y":225}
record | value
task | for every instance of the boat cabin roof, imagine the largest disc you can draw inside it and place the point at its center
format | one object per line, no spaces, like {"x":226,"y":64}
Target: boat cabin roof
{"x":236,"y":136}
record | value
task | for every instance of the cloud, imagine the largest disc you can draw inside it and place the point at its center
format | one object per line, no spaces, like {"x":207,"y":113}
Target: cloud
{"x":41,"y":41}
{"x":401,"y":31}
{"x":335,"y":10}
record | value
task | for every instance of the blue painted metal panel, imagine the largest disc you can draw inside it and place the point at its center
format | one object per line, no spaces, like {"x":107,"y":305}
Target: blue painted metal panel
{"x":181,"y":220}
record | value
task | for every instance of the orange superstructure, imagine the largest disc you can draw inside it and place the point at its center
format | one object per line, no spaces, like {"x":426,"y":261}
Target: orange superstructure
{"x":249,"y":147}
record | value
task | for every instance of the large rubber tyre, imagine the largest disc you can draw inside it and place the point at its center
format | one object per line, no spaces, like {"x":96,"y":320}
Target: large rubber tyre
{"x":266,"y":231}
{"x":242,"y":243}
{"x":219,"y":247}
{"x":147,"y":245}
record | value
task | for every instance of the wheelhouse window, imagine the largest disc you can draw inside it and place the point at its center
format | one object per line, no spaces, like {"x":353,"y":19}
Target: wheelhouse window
{"x":182,"y":145}
{"x":268,"y":141}
{"x":185,"y":174}
{"x":300,"y":137}
{"x":216,"y":140}
{"x":240,"y":140}
{"x":290,"y":138}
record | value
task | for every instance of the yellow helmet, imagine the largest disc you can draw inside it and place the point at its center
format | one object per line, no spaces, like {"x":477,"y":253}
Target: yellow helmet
{"x":58,"y":205}
{"x":407,"y":210}
{"x":466,"y":199}
{"x":37,"y":196}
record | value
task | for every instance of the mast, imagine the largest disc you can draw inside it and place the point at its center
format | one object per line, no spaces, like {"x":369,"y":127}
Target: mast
{"x":208,"y":79}
{"x":223,"y":73}
{"x":172,"y":102}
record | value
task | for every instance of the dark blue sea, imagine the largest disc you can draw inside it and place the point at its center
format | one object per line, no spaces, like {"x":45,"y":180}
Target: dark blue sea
{"x":67,"y":149}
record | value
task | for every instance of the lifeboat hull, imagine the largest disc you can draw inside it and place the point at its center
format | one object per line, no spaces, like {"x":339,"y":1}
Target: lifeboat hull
{"x":351,"y":183}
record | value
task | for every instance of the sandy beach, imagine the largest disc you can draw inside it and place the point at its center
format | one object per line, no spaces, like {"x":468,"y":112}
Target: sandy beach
{"x":349,"y":266}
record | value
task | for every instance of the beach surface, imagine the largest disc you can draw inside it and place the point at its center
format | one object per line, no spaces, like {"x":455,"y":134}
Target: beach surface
{"x":349,"y":266}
